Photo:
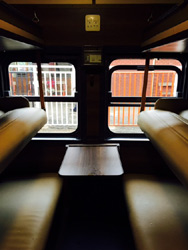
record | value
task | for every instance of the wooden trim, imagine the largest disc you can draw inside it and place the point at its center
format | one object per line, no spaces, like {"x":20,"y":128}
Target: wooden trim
{"x":178,"y":46}
{"x":39,"y":69}
{"x":17,"y":31}
{"x":143,"y":100}
{"x":48,"y":1}
{"x":137,"y":1}
{"x":167,"y":33}
{"x":90,"y":1}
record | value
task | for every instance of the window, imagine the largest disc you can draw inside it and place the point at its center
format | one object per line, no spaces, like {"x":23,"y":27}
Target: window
{"x":125,"y":90}
{"x":59,"y":87}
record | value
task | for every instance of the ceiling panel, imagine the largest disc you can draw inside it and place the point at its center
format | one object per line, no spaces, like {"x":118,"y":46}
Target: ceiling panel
{"x":137,"y":1}
{"x":48,"y":1}
{"x":91,"y":1}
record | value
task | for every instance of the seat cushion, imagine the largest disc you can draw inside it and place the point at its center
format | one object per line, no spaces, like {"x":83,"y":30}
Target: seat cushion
{"x":1,"y":113}
{"x":27,"y":208}
{"x":17,"y":127}
{"x":158,"y":211}
{"x":184,"y":114}
{"x":169,"y":133}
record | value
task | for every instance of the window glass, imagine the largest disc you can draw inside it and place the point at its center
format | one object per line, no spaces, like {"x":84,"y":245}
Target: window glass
{"x":124,"y":119}
{"x":128,"y":83}
{"x":62,"y":116}
{"x":59,"y":80}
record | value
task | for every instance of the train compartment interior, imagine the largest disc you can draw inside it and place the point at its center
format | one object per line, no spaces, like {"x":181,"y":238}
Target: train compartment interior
{"x":93,"y":124}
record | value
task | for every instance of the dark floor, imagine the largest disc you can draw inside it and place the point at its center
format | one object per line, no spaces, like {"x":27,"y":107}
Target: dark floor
{"x":93,"y":215}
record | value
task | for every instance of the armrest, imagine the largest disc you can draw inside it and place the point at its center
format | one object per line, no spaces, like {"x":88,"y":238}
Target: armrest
{"x":10,"y":103}
{"x":175,"y":105}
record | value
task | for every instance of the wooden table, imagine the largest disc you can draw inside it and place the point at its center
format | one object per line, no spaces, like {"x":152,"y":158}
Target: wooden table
{"x":91,"y":160}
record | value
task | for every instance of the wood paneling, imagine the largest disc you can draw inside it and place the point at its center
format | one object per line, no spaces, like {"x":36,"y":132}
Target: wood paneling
{"x":48,"y":1}
{"x":92,"y":100}
{"x":90,"y":1}
{"x":137,"y":1}
{"x":167,"y":33}
{"x":178,"y":46}
{"x":66,"y":26}
{"x":17,"y":31}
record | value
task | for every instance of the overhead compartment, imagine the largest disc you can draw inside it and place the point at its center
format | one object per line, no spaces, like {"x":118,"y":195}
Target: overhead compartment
{"x":169,"y":33}
{"x":16,"y":31}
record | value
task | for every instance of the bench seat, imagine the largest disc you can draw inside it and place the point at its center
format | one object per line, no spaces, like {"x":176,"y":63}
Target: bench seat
{"x":158,"y":212}
{"x":17,"y":127}
{"x":168,"y":131}
{"x":27,"y":209}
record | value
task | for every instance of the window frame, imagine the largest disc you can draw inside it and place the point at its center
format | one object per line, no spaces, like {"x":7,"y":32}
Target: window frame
{"x":110,"y":100}
{"x":75,"y":61}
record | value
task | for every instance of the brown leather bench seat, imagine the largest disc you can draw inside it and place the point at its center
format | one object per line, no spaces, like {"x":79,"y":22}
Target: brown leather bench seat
{"x":27,"y":204}
{"x":157,"y":206}
{"x":18,"y":124}
{"x":158,"y":212}
{"x":167,"y":128}
{"x":27,"y":208}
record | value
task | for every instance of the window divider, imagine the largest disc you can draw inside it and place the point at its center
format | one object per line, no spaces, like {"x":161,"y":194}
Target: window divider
{"x":39,"y":69}
{"x":146,"y":70}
